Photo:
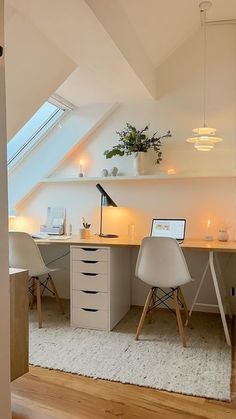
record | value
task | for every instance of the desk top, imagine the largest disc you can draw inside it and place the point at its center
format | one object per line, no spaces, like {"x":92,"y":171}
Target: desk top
{"x":15,"y":271}
{"x":194,"y":244}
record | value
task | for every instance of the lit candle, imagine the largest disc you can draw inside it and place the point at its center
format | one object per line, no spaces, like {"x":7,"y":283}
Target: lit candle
{"x":209,"y":235}
{"x":81,"y":174}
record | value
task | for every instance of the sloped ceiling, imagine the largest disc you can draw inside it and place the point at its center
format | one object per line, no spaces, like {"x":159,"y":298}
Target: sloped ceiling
{"x":116,"y":45}
{"x":35,"y":67}
{"x":162,"y":26}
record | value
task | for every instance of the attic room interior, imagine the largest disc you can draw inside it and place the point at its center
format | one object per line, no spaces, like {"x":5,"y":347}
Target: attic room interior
{"x":118,"y":209}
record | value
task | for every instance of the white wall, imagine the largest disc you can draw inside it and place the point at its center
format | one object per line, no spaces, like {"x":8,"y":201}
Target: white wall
{"x":4,"y":294}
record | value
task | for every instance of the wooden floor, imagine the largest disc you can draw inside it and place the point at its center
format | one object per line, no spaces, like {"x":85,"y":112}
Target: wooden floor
{"x":45,"y":394}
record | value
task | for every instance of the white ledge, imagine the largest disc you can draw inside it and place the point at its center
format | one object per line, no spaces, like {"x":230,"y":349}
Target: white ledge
{"x":135,"y":178}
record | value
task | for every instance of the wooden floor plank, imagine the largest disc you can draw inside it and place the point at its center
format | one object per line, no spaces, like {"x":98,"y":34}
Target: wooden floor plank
{"x":49,"y":394}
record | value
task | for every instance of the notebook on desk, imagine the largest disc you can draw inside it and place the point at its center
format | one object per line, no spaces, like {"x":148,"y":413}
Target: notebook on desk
{"x":174,"y":228}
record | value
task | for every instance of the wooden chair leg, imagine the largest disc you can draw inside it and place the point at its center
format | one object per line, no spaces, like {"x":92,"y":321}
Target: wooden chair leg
{"x":59,"y":302}
{"x":179,"y":319}
{"x":32,"y":294}
{"x":186,"y":311}
{"x":145,"y":309}
{"x":39,"y":305}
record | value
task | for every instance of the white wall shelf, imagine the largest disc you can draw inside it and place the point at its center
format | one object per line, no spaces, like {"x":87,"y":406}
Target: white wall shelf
{"x":135,"y":178}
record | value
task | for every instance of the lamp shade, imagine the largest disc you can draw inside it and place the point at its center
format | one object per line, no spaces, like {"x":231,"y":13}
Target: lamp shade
{"x":106,"y":199}
{"x":204,"y":138}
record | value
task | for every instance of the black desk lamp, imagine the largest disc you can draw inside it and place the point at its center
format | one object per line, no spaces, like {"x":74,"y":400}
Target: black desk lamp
{"x":106,"y":201}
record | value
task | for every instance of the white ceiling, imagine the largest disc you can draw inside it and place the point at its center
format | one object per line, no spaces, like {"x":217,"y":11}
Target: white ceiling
{"x":117,"y":45}
{"x":163,"y":25}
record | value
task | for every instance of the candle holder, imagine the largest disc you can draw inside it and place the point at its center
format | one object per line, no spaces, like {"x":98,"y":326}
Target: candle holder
{"x":208,"y":235}
{"x":81,"y":169}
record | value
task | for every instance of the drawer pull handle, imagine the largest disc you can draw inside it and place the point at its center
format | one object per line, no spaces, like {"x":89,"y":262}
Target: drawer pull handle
{"x":89,"y":261}
{"x":89,"y":250}
{"x":90,"y":292}
{"x":89,"y":274}
{"x":90,"y":309}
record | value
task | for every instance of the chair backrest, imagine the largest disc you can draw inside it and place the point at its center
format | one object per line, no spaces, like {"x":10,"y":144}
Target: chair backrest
{"x":25,"y":254}
{"x":161,"y":263}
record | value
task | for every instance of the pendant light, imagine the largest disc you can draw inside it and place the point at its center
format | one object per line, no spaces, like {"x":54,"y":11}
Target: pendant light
{"x":204,"y":138}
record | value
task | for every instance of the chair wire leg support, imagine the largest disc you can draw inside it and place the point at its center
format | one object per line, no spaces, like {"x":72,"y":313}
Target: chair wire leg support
{"x":154,"y":300}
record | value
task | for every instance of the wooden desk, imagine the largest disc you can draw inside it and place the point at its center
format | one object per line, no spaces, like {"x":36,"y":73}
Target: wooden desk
{"x":212,"y":247}
{"x":19,"y":322}
{"x":194,"y":244}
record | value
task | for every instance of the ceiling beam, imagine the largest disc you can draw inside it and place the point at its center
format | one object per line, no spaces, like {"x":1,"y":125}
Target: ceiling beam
{"x":116,"y":24}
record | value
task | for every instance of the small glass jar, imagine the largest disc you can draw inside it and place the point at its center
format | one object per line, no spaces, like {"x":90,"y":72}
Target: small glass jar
{"x":223,"y":235}
{"x":131,"y":231}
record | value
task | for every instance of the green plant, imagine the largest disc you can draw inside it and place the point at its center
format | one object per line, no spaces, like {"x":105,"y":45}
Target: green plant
{"x":131,"y":140}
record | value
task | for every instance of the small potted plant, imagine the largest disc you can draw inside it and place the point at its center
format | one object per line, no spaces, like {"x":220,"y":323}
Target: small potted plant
{"x":134,"y":141}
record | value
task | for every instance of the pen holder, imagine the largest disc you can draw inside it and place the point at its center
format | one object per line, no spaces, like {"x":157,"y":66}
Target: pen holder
{"x":84,"y":233}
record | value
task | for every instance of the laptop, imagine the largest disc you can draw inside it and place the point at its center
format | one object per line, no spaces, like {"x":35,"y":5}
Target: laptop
{"x":164,"y":227}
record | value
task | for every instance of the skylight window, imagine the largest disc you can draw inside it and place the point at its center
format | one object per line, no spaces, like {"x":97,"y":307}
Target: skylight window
{"x":33,"y":131}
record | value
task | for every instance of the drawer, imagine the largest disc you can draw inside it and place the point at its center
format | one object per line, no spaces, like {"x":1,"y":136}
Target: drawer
{"x":86,"y":266}
{"x":90,"y":281}
{"x":89,"y":253}
{"x":89,"y":319}
{"x":90,"y":299}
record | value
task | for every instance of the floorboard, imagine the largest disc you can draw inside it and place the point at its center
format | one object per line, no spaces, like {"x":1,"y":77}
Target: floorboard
{"x":47,"y":394}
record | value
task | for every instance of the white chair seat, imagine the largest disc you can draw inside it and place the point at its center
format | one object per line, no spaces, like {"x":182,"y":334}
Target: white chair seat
{"x":161,"y":264}
{"x":25,"y":254}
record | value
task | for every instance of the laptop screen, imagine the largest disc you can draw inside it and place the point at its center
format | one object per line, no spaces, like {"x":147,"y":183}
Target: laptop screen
{"x":174,"y":228}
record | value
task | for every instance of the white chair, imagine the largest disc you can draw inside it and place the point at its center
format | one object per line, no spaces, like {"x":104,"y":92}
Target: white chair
{"x":24,"y":253}
{"x":161,"y":264}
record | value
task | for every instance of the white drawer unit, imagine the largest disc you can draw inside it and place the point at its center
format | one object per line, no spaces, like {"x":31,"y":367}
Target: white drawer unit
{"x":90,"y":318}
{"x":89,"y":266}
{"x":100,"y":286}
{"x":90,"y":281}
{"x":90,"y":299}
{"x":91,"y":254}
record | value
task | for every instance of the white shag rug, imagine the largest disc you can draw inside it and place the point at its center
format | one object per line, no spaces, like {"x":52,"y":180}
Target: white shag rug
{"x":157,"y":360}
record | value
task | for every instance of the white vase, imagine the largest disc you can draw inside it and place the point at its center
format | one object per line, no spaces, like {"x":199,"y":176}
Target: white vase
{"x":139,"y":163}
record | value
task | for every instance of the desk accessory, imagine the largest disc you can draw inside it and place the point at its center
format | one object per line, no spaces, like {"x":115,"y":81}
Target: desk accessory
{"x":55,"y":222}
{"x":85,"y":224}
{"x":106,"y":201}
{"x":208,"y":235}
{"x":131,"y":231}
{"x":223,"y":235}
{"x":84,"y":233}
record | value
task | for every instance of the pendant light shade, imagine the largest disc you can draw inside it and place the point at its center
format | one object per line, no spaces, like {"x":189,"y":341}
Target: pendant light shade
{"x":204,"y":138}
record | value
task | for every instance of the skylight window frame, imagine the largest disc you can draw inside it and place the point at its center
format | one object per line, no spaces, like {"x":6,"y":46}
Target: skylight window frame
{"x":41,"y":132}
